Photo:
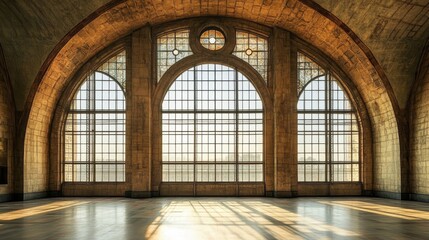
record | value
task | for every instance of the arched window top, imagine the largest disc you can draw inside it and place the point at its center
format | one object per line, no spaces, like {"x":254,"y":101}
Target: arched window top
{"x":323,"y":93}
{"x":207,"y":38}
{"x":212,"y":87}
{"x":116,"y":68}
{"x":313,"y":95}
{"x":328,"y":134}
{"x":94,"y":131}
{"x":307,"y":70}
{"x":339,"y":98}
{"x":318,"y":88}
{"x":252,"y":49}
{"x":172,"y":47}
{"x":212,"y":127}
{"x":99,"y":92}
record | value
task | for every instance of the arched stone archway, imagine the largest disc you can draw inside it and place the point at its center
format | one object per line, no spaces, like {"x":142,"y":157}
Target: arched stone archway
{"x":419,"y":146}
{"x":119,"y":18}
{"x":7,"y":137}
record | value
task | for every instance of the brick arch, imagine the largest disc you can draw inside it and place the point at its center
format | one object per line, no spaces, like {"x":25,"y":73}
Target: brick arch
{"x":302,"y":17}
{"x":419,"y":127}
{"x":7,"y":131}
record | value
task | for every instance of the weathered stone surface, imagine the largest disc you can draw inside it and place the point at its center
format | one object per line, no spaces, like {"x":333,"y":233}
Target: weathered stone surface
{"x":7,"y":125}
{"x":30,"y":30}
{"x":285,"y":114}
{"x":301,"y":20}
{"x":395,"y":31}
{"x":419,"y":149}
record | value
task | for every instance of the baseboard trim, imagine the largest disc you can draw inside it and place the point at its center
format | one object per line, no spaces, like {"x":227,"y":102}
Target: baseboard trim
{"x":392,"y":195}
{"x":367,"y":193}
{"x":138,"y":194}
{"x":285,"y":194}
{"x":6,"y":197}
{"x":419,"y":197}
{"x":55,"y":194}
{"x":269,"y":193}
{"x":29,"y":196}
{"x":277,"y":194}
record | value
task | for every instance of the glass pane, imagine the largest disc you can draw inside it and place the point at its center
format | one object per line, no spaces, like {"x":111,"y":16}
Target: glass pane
{"x":314,"y":96}
{"x":307,"y":70}
{"x":250,"y":172}
{"x":95,"y":127}
{"x":212,"y":116}
{"x":171,"y":48}
{"x":252,"y":49}
{"x":116,"y":68}
{"x":328,"y":136}
{"x":212,"y":39}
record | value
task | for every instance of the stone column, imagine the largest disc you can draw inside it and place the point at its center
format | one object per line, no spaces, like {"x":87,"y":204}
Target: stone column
{"x":139,"y":110}
{"x":285,"y":118}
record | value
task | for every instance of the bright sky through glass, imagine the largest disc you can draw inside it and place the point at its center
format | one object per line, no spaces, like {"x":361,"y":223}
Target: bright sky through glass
{"x":328,"y":135}
{"x":212,"y":127}
{"x":252,"y":49}
{"x":94,"y":149}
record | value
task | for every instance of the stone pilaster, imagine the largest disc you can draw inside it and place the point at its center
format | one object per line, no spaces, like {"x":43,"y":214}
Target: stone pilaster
{"x":139,"y":114}
{"x":285,"y":139}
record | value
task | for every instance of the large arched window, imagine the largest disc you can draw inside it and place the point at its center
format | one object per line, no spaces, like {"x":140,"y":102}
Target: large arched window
{"x":211,"y":112}
{"x":212,"y":127}
{"x":328,"y":135}
{"x":94,"y":132}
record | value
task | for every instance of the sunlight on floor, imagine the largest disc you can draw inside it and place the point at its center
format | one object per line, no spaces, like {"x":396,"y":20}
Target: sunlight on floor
{"x":238,"y":220}
{"x":381,"y":209}
{"x":8,"y":216}
{"x":214,"y":218}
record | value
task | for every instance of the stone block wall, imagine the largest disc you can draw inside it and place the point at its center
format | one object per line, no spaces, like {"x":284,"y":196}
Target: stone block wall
{"x":6,"y":133}
{"x":312,"y":25}
{"x":419,"y":142}
{"x":395,"y":31}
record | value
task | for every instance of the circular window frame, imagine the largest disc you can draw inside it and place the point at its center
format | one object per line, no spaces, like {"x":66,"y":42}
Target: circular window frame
{"x":198,"y":29}
{"x":215,"y":40}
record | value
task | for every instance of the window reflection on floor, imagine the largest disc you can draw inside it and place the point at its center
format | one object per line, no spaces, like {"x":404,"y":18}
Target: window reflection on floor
{"x":391,"y":211}
{"x":28,"y":212}
{"x":214,"y":218}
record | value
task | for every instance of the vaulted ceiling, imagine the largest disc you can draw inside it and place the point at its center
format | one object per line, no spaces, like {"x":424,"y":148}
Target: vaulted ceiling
{"x":394,"y":30}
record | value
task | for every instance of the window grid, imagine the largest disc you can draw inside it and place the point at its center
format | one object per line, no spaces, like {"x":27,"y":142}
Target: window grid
{"x":94,"y":131}
{"x":116,"y":68}
{"x":328,"y":135}
{"x":171,"y":48}
{"x":212,"y":125}
{"x":307,"y":70}
{"x":254,"y":50}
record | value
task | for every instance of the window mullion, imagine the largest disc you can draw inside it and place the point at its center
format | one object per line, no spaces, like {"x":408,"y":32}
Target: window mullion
{"x":97,"y":97}
{"x":327,"y":133}
{"x":236,"y":126}
{"x":215,"y":120}
{"x":329,"y":108}
{"x":195,"y":126}
{"x":92,"y":129}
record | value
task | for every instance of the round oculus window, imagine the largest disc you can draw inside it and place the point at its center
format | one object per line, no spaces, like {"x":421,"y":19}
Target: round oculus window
{"x":212,"y":39}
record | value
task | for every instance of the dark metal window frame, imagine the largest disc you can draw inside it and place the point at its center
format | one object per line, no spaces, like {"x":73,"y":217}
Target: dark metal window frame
{"x":236,"y":113}
{"x":259,"y":54}
{"x":328,"y":133}
{"x":181,"y":46}
{"x":91,"y":133}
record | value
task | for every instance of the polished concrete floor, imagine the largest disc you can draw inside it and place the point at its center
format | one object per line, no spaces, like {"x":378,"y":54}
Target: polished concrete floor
{"x":214,"y":218}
